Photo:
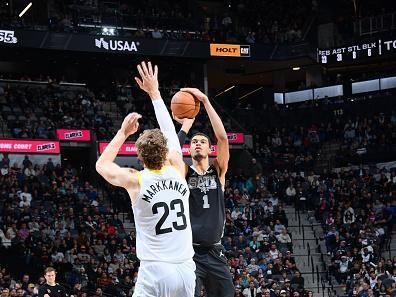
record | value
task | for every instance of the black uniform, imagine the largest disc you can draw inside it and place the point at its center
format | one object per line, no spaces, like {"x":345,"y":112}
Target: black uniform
{"x":207,"y":215}
{"x":52,"y":291}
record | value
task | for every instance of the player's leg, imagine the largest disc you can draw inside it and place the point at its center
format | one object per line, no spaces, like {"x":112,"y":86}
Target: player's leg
{"x":166,"y":279}
{"x":199,"y":283}
{"x":219,"y":280}
{"x":145,"y":282}
{"x":219,"y":287}
{"x":187,"y":276}
{"x":174,"y":280}
{"x":201,"y":260}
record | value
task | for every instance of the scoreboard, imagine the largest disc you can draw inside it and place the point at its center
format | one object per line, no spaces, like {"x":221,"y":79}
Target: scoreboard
{"x":357,"y":52}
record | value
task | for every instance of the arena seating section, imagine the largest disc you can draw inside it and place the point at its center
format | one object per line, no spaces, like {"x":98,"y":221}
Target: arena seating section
{"x":31,"y":110}
{"x":238,"y":21}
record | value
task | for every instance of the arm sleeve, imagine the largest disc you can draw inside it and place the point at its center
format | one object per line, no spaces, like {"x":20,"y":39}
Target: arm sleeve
{"x":182,"y":137}
{"x":166,"y":125}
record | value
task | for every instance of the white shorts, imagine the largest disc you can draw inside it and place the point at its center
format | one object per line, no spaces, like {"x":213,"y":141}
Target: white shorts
{"x":161,"y":279}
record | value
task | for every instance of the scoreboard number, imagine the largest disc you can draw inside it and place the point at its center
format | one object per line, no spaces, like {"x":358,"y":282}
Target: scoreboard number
{"x":355,"y":52}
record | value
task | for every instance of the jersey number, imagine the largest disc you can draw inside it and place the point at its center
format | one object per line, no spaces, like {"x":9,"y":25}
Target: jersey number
{"x":180,"y":214}
{"x":206,"y":201}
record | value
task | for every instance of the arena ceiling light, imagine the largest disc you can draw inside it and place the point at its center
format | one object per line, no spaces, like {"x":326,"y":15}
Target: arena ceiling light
{"x":250,"y":93}
{"x":225,"y":91}
{"x":108,"y":31}
{"x":296,"y":68}
{"x":25,"y":9}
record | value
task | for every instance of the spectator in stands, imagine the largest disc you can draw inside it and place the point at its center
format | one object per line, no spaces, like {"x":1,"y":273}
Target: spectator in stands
{"x":251,"y":291}
{"x":156,"y":34}
{"x":290,"y":194}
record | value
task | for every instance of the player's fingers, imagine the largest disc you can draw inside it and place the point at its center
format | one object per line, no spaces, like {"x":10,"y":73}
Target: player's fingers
{"x":135,"y":117}
{"x":190,"y":90}
{"x":150,"y":68}
{"x":127,"y":118}
{"x":176,"y":118}
{"x":156,"y":71}
{"x":144,"y":67}
{"x":131,"y":115}
{"x":141,"y":71}
{"x":139,"y":82}
{"x":195,"y":92}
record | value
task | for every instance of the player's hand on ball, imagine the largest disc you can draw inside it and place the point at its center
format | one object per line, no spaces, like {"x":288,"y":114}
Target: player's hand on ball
{"x":184,"y":120}
{"x":148,"y":80}
{"x":130,"y":124}
{"x":197,"y":94}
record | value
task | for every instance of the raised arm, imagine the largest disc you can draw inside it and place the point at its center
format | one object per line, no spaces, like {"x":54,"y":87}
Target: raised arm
{"x":223,"y":150}
{"x":105,"y":166}
{"x":148,"y":82}
{"x":185,"y":128}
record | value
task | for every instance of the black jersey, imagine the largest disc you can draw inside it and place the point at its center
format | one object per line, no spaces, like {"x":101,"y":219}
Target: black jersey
{"x":207,"y":212}
{"x":52,"y":291}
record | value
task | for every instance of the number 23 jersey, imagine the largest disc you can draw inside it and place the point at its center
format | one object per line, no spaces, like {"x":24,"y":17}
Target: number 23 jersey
{"x":207,"y":209}
{"x":162,"y":218}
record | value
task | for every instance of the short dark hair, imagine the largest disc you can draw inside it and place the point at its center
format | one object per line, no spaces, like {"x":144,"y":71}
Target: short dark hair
{"x":204,"y":135}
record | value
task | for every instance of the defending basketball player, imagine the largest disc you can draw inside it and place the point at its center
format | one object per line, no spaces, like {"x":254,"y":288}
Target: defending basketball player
{"x":159,"y":196}
{"x":207,"y":210}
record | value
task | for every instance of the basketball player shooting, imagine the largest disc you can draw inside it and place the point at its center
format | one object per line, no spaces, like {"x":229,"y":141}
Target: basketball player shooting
{"x":207,"y":210}
{"x":159,"y":196}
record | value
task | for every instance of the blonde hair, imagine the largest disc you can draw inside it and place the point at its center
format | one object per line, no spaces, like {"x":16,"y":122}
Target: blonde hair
{"x":152,"y":148}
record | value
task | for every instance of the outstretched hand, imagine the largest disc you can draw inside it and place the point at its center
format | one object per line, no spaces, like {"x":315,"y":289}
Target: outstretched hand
{"x":130,"y":124}
{"x":148,"y":80}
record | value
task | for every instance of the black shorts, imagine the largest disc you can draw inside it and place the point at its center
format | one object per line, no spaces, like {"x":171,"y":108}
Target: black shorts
{"x":212,"y":272}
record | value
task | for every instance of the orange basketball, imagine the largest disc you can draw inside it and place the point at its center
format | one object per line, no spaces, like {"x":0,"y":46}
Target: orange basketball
{"x":184,"y":105}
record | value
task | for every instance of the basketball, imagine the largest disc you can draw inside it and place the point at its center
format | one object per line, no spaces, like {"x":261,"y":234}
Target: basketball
{"x":184,"y":105}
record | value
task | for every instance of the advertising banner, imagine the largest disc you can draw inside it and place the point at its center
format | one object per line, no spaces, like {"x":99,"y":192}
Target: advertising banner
{"x":235,"y":138}
{"x":129,"y":149}
{"x":73,"y":134}
{"x":24,"y":38}
{"x":29,"y":146}
{"x":229,"y":50}
{"x":82,"y":42}
{"x":103,"y":44}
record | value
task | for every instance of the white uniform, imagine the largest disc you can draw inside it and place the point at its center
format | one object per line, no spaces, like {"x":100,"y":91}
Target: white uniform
{"x":163,"y":235}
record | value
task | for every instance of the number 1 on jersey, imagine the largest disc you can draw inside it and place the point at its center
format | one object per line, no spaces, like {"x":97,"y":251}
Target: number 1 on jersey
{"x":206,"y":201}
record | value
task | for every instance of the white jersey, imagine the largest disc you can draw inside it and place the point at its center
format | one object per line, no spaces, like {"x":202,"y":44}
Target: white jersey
{"x":162,"y":217}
